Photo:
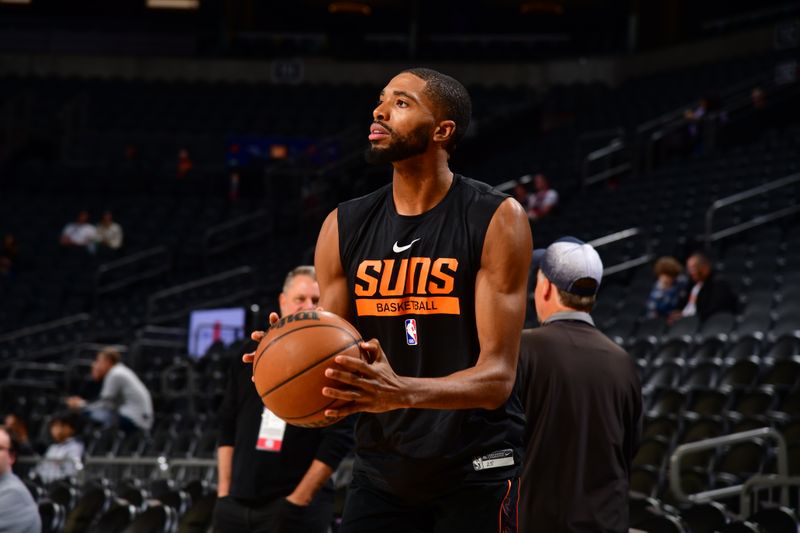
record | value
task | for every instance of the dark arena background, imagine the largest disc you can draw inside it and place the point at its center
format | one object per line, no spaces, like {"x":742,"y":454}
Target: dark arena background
{"x":218,"y":134}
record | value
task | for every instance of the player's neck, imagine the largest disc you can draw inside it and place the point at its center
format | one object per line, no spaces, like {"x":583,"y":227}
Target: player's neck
{"x":419,"y":184}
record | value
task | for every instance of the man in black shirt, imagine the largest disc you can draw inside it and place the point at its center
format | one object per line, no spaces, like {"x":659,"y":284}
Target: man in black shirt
{"x":582,"y":400}
{"x":274,"y":477}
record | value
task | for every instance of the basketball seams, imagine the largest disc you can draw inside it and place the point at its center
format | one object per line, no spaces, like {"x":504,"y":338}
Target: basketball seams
{"x":327,"y":405}
{"x":282,"y":335}
{"x":303,"y":371}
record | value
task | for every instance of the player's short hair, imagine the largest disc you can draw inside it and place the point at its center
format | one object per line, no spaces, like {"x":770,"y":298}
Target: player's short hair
{"x":112,"y":354}
{"x":302,"y":270}
{"x":450,"y":97}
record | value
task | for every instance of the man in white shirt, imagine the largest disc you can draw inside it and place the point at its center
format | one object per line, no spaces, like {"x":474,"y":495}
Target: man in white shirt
{"x":543,"y":200}
{"x":18,"y":511}
{"x":123,"y":396}
{"x":66,"y":451}
{"x":109,"y":233}
{"x":79,"y":233}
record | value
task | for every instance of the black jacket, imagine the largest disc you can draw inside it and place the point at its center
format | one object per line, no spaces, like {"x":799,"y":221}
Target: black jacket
{"x":583,"y":406}
{"x":716,"y":295}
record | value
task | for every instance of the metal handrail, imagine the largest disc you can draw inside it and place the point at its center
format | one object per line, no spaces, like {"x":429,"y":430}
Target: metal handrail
{"x":750,"y":16}
{"x":710,"y":236}
{"x":45,"y":326}
{"x":210,"y":280}
{"x":140,"y":257}
{"x":725,"y":440}
{"x":241,"y":237}
{"x":615,"y":146}
{"x":748,"y":506}
{"x":510,"y":184}
{"x":619,"y":236}
{"x":161,"y":464}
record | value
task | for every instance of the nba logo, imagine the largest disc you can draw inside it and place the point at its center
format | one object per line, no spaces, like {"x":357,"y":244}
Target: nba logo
{"x":411,"y":332}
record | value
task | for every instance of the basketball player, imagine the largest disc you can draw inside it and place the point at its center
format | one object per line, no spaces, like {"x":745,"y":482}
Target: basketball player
{"x":274,"y":477}
{"x":433,"y":268}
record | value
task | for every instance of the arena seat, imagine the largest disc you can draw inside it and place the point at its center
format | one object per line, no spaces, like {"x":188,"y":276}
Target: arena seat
{"x":665,"y":427}
{"x":740,"y":461}
{"x":666,"y":374}
{"x":776,"y":520}
{"x":63,"y":493}
{"x":93,"y":502}
{"x":706,"y":402}
{"x":155,"y":519}
{"x":666,"y":401}
{"x":740,"y":527}
{"x":740,"y":374}
{"x":115,"y":519}
{"x":754,"y":403}
{"x":701,"y":375}
{"x":666,"y":523}
{"x":707,"y":349}
{"x":198,"y":517}
{"x":52,"y":516}
{"x":781,"y":373}
{"x":705,"y":517}
{"x":652,"y":452}
{"x":746,"y":344}
{"x":645,"y":480}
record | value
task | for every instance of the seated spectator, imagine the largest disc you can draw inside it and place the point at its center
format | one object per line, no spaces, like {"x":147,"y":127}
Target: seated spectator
{"x":18,"y":510}
{"x":710,"y":294}
{"x":669,"y":290}
{"x":544,"y":200}
{"x":109,"y":233}
{"x":123,"y":400}
{"x":18,"y":429}
{"x":65,"y":452}
{"x":8,"y":253}
{"x":79,"y":233}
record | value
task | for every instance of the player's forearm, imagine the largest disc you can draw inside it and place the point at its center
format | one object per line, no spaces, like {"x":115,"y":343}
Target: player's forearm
{"x":313,"y":480}
{"x":224,"y":469}
{"x":479,"y":387}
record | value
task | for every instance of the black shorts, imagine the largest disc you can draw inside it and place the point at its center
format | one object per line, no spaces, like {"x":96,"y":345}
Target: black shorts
{"x":488,"y":507}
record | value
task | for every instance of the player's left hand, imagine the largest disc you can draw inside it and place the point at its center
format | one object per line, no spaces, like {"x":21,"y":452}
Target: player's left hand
{"x":257,"y":336}
{"x":371,"y":387}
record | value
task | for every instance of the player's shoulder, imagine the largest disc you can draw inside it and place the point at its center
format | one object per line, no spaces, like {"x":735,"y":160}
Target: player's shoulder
{"x":480,"y":188}
{"x":376,"y":196}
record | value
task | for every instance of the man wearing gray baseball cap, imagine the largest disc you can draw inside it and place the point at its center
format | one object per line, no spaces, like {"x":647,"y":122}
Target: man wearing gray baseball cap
{"x":582,"y":400}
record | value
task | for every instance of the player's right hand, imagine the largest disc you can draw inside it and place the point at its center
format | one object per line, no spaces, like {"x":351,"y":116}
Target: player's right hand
{"x":257,"y":336}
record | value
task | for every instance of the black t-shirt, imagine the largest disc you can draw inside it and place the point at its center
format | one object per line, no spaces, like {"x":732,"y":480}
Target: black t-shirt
{"x":412,"y":286}
{"x":583,"y":404}
{"x":261,"y":476}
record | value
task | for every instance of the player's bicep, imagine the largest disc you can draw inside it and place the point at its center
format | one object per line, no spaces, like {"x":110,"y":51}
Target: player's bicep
{"x":502,"y":281}
{"x":334,"y":295}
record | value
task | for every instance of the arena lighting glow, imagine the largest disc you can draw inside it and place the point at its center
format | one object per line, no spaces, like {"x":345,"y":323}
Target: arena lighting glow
{"x":15,"y":1}
{"x":172,"y":4}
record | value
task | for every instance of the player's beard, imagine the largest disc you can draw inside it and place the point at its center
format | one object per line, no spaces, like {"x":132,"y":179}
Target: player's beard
{"x":401,"y":147}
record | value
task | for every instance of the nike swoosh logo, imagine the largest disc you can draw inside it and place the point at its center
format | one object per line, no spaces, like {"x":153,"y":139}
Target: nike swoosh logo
{"x":397,"y":249}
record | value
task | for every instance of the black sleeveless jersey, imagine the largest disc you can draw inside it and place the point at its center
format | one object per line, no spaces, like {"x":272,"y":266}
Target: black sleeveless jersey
{"x":412,"y":286}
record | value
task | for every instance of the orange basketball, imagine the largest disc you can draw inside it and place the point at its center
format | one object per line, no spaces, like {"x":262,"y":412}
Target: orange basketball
{"x":290,"y":363}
